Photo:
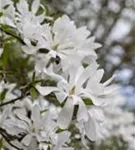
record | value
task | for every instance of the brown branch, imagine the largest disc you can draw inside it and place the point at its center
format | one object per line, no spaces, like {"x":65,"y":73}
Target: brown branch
{"x":11,"y":101}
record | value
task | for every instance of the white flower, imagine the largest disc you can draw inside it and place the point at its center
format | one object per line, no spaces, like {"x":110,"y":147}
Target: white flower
{"x":94,"y":126}
{"x":67,"y":42}
{"x":32,"y":126}
{"x":77,"y":84}
{"x":28,"y":24}
{"x":34,"y":123}
{"x":59,"y":142}
{"x":62,"y":40}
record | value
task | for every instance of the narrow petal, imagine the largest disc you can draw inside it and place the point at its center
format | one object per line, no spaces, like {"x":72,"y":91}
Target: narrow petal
{"x":98,"y":101}
{"x":109,"y":81}
{"x":22,"y":6}
{"x":66,"y":114}
{"x":67,"y":148}
{"x":27,"y":139}
{"x":82,"y":112}
{"x":98,"y":76}
{"x":61,"y":96}
{"x":62,"y":138}
{"x":43,"y":90}
{"x":49,"y":71}
{"x":35,"y":6}
{"x":36,"y":116}
{"x":90,"y":129}
{"x":87,"y":73}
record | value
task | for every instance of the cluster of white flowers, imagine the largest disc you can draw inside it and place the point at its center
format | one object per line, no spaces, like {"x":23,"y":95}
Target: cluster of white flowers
{"x":64,"y":55}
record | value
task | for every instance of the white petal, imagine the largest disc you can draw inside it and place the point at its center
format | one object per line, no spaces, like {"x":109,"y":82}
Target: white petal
{"x":17,"y":144}
{"x":49,"y":71}
{"x":27,"y":139}
{"x":29,"y":49}
{"x":87,"y":73}
{"x":62,"y":138}
{"x":97,"y":113}
{"x":23,"y":117}
{"x":98,"y":101}
{"x":66,"y":114}
{"x":43,"y":90}
{"x":98,"y":76}
{"x":62,"y":27}
{"x":82,"y":112}
{"x":36,"y":116}
{"x":22,"y":6}
{"x":109,"y":81}
{"x":90,"y":129}
{"x":111,"y":90}
{"x":84,"y":32}
{"x":40,"y":18}
{"x":73,"y":74}
{"x":35,"y":6}
{"x":70,"y":60}
{"x":33,"y":144}
{"x":67,"y":148}
{"x":61,"y":96}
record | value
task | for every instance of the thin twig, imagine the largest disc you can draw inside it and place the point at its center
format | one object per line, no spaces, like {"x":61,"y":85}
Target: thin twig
{"x":12,"y":101}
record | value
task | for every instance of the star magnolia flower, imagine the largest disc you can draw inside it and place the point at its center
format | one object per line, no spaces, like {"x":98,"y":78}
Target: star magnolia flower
{"x":77,"y":84}
{"x":61,"y":139}
{"x":67,"y":42}
{"x":62,"y":40}
{"x":38,"y":128}
{"x":35,"y":128}
{"x":29,"y":25}
{"x":94,"y":126}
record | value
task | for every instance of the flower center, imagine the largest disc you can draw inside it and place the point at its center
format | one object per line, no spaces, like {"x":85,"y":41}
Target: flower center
{"x":55,"y":47}
{"x":72,"y":91}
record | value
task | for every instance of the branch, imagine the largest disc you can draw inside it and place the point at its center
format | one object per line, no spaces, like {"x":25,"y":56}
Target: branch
{"x":12,"y":101}
{"x":8,"y":137}
{"x":13,"y":35}
{"x":25,"y":92}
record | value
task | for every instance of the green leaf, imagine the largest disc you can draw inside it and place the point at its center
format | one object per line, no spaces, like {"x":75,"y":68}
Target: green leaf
{"x":88,"y":101}
{"x":34,"y":93}
{"x":59,"y":130}
{"x":49,"y":148}
{"x":3,"y":94}
{"x":1,"y":14}
{"x":48,"y":83}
